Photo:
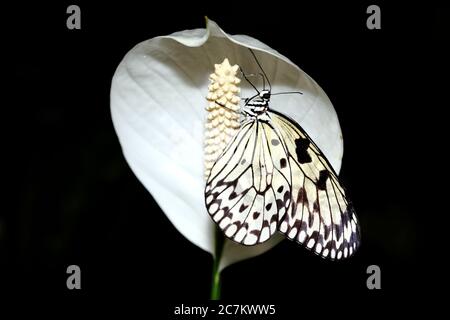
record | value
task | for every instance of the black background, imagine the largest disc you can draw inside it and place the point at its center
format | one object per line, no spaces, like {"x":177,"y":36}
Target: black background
{"x":75,"y":201}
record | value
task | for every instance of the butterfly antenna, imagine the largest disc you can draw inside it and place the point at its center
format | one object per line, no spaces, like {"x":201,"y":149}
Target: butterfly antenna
{"x":260,"y":67}
{"x":245,"y":76}
{"x":287,"y":92}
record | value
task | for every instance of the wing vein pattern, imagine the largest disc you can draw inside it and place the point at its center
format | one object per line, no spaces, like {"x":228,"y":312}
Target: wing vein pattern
{"x":271,"y":177}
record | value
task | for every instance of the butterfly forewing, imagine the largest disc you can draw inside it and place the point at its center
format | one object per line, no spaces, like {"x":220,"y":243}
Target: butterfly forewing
{"x":320,"y":215}
{"x":249,"y":188}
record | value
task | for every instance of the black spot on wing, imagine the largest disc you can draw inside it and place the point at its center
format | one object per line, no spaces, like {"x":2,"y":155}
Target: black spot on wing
{"x":275,"y":142}
{"x":303,"y":226}
{"x":268,"y":206}
{"x":280,"y":204}
{"x":238,"y":224}
{"x":345,"y":217}
{"x":339,"y":229}
{"x":232,"y":195}
{"x":218,"y":201}
{"x":274,"y":218}
{"x":296,"y":225}
{"x":326,"y":231}
{"x":316,"y":206}
{"x":301,"y":148}
{"x":311,"y":219}
{"x":302,"y":197}
{"x":283,"y":163}
{"x":322,"y":181}
{"x":243,"y":207}
{"x":315,"y":236}
{"x":286,"y":196}
{"x":280,"y":189}
{"x":331,"y":245}
{"x":293,"y":210}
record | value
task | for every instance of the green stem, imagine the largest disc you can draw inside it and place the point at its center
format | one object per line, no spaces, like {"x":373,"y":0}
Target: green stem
{"x":215,"y":281}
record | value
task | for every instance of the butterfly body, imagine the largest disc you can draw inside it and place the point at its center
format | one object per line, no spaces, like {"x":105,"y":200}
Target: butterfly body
{"x":257,"y":105}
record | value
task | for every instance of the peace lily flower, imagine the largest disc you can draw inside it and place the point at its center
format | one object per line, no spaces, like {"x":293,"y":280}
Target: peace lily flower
{"x":158,"y":101}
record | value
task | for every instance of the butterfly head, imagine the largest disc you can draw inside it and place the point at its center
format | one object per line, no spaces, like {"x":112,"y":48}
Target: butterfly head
{"x":264,"y":95}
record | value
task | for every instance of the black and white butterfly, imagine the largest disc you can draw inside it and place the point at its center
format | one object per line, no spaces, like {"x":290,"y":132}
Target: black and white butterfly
{"x":272,"y":177}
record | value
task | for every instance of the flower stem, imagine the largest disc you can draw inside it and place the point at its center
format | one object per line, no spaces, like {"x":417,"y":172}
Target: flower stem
{"x":215,"y":281}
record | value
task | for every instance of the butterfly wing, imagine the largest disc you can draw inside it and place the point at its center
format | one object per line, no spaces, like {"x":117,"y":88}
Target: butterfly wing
{"x":320,"y":216}
{"x":249,"y":187}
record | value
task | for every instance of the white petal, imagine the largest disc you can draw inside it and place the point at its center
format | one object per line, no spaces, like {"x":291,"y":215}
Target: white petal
{"x":157,"y":106}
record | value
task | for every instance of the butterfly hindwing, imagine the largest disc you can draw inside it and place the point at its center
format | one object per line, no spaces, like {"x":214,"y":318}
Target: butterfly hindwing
{"x":249,"y":187}
{"x":320,"y":216}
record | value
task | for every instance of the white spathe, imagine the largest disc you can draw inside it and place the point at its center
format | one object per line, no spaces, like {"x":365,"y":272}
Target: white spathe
{"x":158,"y":111}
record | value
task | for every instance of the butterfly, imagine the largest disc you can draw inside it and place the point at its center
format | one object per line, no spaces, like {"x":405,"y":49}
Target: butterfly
{"x":272,"y":177}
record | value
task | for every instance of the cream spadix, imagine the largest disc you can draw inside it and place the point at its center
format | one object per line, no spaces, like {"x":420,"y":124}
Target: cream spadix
{"x":223,"y":111}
